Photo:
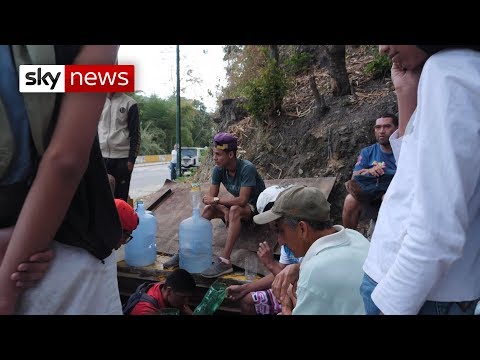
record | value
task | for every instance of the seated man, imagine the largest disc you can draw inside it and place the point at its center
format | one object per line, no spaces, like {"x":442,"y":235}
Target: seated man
{"x":331,"y":269}
{"x":174,"y":293}
{"x":257,"y":297}
{"x":372,"y":173}
{"x":241,"y":179}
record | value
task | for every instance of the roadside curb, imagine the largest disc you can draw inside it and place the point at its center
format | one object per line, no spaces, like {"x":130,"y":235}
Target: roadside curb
{"x":151,"y":163}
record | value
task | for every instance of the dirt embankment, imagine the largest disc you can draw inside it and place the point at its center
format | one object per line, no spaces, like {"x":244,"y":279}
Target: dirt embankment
{"x":299,"y":143}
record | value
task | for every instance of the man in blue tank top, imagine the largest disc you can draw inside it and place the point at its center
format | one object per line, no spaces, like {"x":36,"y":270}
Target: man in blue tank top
{"x":372,"y":173}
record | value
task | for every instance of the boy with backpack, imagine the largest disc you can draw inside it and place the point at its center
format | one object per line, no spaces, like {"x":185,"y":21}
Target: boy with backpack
{"x":150,"y":298}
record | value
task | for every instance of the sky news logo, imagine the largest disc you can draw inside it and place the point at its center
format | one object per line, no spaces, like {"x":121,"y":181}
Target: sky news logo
{"x":76,"y":78}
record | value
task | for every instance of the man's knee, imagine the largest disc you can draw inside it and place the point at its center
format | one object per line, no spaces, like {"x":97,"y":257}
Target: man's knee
{"x":208,"y":212}
{"x":247,"y":305}
{"x":351,"y":203}
{"x":235,"y":212}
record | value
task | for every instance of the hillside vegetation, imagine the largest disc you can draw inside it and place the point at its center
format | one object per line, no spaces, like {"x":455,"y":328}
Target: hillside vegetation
{"x":302,"y":136}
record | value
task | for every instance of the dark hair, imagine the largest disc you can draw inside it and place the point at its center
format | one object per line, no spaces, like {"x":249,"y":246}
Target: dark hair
{"x":392,"y":116}
{"x":268,"y":206}
{"x":316,"y":225}
{"x":432,"y":49}
{"x":181,"y":280}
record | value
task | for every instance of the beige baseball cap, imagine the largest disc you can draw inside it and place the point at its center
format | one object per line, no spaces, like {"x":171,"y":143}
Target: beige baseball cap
{"x":297,"y":202}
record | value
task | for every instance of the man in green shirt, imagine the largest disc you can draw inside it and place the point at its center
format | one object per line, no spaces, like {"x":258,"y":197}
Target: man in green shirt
{"x":241,"y":179}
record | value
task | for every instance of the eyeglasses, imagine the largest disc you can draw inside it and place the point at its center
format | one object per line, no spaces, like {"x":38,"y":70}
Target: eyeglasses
{"x":128,"y":236}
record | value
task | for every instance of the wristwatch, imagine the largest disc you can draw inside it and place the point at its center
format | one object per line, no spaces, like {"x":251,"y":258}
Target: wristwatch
{"x":216,"y":200}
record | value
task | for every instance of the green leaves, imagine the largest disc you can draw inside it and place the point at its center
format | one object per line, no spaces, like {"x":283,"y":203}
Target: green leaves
{"x":158,"y":124}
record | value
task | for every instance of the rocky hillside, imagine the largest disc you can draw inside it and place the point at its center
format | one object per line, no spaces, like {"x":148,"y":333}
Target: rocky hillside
{"x":301,"y":143}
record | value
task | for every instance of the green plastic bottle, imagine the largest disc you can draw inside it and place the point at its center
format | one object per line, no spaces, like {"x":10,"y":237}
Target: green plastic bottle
{"x":212,"y":299}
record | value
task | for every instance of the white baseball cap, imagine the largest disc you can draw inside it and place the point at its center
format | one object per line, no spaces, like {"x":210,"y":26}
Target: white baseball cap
{"x":269,"y":195}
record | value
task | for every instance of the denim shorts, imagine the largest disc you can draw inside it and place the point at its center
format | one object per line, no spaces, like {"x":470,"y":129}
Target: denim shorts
{"x":428,"y":308}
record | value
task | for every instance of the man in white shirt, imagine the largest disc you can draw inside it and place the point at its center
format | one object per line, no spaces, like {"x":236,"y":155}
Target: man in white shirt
{"x":424,"y":256}
{"x":173,"y":163}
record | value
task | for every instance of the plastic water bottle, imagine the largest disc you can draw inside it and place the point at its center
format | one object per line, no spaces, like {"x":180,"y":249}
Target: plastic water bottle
{"x":212,"y":299}
{"x":195,"y":237}
{"x":142,"y":249}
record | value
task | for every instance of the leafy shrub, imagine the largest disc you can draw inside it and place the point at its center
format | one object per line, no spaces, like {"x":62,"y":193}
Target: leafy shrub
{"x":264,"y":94}
{"x":297,"y":63}
{"x":379,"y":67}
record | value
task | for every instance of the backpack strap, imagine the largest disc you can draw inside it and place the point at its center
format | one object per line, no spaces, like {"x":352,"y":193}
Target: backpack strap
{"x":39,"y":106}
{"x":7,"y":144}
{"x":139,"y":295}
{"x":151,"y":300}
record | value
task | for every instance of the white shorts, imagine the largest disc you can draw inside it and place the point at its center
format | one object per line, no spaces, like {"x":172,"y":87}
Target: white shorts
{"x":77,"y":283}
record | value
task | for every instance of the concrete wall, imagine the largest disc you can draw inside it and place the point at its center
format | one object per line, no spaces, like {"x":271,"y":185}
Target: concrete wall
{"x":153,"y":158}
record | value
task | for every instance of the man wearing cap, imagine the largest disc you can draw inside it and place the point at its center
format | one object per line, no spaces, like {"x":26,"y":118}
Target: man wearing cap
{"x":257,"y":297}
{"x":331,"y":268}
{"x":241,"y":179}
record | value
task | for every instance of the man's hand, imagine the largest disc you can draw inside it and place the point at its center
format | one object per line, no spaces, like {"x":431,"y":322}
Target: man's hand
{"x":130,"y":166}
{"x":405,"y":80}
{"x":265,"y":254}
{"x":376,"y":170}
{"x":29,"y":273}
{"x":236,"y":292}
{"x":208,"y":200}
{"x":289,"y":275}
{"x":186,"y":310}
{"x":289,"y":302}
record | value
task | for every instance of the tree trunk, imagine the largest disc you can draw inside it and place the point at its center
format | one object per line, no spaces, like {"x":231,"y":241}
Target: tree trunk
{"x":320,"y":105}
{"x":274,"y":54}
{"x":337,"y":69}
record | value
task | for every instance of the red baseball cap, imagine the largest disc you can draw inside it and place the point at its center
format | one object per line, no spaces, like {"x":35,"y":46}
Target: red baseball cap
{"x":128,"y":216}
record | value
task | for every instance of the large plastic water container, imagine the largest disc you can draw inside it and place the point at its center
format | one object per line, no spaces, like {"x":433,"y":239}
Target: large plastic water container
{"x":195,"y":238}
{"x":142,"y":249}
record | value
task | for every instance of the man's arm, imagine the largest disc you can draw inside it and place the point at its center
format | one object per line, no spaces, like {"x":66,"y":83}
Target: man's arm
{"x":134,"y":131}
{"x":214,"y":190}
{"x":265,"y":254}
{"x":236,"y":292}
{"x":59,"y":173}
{"x":241,"y":200}
{"x":447,"y":177}
{"x":289,"y":301}
{"x":363,"y":167}
{"x":289,"y":275}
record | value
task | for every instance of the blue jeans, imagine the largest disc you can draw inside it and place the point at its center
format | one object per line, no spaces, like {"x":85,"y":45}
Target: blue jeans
{"x":428,"y":308}
{"x":173,"y":173}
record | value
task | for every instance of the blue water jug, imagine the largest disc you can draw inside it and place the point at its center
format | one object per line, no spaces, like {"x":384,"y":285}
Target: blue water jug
{"x":142,"y":249}
{"x":195,"y":238}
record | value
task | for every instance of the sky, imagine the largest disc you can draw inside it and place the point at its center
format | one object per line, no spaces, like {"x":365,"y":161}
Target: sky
{"x":156,"y":72}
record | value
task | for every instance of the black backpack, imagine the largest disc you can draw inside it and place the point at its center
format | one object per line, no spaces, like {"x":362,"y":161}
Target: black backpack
{"x":140,"y":294}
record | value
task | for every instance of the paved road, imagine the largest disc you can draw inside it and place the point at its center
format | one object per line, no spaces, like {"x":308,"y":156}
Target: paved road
{"x":148,"y":178}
